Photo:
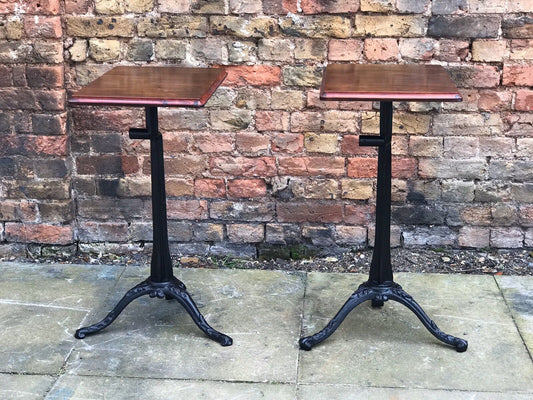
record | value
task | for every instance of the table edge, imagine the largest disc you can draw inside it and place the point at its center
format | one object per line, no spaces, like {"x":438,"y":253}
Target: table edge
{"x":399,"y":96}
{"x":132,"y":101}
{"x":390,"y":96}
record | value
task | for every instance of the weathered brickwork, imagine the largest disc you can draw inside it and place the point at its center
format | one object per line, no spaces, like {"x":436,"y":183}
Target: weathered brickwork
{"x":266,"y":164}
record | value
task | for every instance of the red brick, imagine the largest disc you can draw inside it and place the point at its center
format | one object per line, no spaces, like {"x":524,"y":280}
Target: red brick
{"x":271,"y":121}
{"x":350,"y":146}
{"x":313,"y":101}
{"x":50,"y":100}
{"x":526,"y":215}
{"x":214,"y":142}
{"x":49,"y":124}
{"x":453,"y":50}
{"x":524,"y":100}
{"x":518,"y":75}
{"x":522,"y":49}
{"x":18,"y":210}
{"x":345,"y":49}
{"x":252,"y":142}
{"x":176,"y":142}
{"x":90,"y":119}
{"x":362,"y":167}
{"x":359,"y":214}
{"x":306,"y":121}
{"x":403,"y":167}
{"x":130,"y":164}
{"x":418,"y":49}
{"x":330,"y":6}
{"x":33,"y":145}
{"x":45,"y":76}
{"x":18,"y":98}
{"x":311,"y":166}
{"x":493,"y":100}
{"x":47,"y":7}
{"x":246,"y":188}
{"x":8,"y":6}
{"x":78,"y":7}
{"x":309,"y":212}
{"x":6,"y":76}
{"x":187,"y":209}
{"x":381,"y":49}
{"x":43,"y":27}
{"x":49,"y":145}
{"x":288,"y":143}
{"x":49,"y":234}
{"x":486,"y":76}
{"x":280,"y":6}
{"x":209,"y":188}
{"x":243,"y":166}
{"x":253,"y":75}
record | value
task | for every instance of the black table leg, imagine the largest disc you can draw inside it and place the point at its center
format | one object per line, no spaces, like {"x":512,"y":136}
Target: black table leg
{"x":380,"y":286}
{"x":162,"y":283}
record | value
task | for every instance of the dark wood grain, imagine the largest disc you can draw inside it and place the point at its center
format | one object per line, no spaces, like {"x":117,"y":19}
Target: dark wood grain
{"x":387,"y":82}
{"x":155,"y":86}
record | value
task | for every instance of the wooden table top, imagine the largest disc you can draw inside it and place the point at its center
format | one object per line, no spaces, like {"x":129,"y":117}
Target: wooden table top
{"x":152,"y":86}
{"x":387,"y":82}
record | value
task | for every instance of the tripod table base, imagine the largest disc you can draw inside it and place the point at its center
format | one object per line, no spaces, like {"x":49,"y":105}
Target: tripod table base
{"x":379,"y":294}
{"x":174,"y":289}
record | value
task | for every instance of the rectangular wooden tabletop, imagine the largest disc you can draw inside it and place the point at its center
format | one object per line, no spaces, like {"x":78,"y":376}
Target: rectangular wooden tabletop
{"x":152,"y":86}
{"x":386,"y":82}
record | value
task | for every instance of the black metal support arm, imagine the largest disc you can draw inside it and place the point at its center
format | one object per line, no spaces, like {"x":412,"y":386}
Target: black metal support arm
{"x":380,"y":286}
{"x":162,"y":283}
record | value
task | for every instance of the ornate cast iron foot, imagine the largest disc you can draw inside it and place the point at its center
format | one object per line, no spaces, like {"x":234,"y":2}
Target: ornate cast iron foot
{"x":362,"y":294}
{"x":401,"y":296}
{"x":378,"y":294}
{"x":175,"y":289}
{"x":140,"y":290}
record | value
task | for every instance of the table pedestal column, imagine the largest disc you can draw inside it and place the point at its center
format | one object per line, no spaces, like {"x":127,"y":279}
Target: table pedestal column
{"x":380,"y":286}
{"x":162,"y":283}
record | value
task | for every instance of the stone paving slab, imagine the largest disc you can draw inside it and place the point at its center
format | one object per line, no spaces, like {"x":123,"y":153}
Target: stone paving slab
{"x":36,"y":340}
{"x":389,"y":347}
{"x":260,"y":310}
{"x":24,"y":387}
{"x":56,"y":285}
{"x":40,"y":308}
{"x":518,"y":292}
{"x":351,"y":392}
{"x":83,"y":388}
{"x":154,"y":350}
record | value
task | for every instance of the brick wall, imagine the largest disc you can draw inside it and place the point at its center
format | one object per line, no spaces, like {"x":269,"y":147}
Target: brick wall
{"x":265,"y":166}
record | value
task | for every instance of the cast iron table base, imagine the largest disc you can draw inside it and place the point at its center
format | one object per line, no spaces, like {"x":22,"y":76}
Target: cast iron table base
{"x":380,"y":286}
{"x":162,"y":283}
{"x":378,"y":294}
{"x":174,"y":289}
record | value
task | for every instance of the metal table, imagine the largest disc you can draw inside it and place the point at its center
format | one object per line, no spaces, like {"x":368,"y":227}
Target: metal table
{"x":151,"y":87}
{"x":384,"y":83}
